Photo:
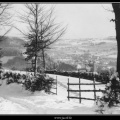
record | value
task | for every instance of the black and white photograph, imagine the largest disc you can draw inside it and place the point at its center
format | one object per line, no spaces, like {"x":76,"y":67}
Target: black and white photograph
{"x":60,"y":58}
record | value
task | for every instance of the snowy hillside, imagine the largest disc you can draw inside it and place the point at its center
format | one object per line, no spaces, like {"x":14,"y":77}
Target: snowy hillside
{"x":14,"y":99}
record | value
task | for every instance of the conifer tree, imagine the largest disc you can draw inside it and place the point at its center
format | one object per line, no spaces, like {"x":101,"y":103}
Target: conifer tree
{"x":42,"y":31}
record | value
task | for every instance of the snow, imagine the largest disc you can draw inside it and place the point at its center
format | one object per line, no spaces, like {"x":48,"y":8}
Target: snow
{"x":64,"y":81}
{"x":14,"y":99}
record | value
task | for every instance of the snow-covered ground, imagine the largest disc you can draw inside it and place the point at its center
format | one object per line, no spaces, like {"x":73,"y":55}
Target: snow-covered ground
{"x":14,"y":99}
{"x":64,"y":81}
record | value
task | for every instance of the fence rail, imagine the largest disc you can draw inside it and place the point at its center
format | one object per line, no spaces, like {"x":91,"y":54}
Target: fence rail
{"x":94,"y":90}
{"x":82,"y":98}
{"x":85,"y":84}
{"x":86,"y":90}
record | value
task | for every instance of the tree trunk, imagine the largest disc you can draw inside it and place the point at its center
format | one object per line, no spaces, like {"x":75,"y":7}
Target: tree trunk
{"x":35,"y":69}
{"x":116,"y":8}
{"x":43,"y":54}
{"x":36,"y":26}
{"x":43,"y":58}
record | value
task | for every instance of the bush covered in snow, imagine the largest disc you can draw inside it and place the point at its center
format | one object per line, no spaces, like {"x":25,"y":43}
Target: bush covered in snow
{"x":41,"y":82}
{"x":28,"y":81}
{"x":111,"y":95}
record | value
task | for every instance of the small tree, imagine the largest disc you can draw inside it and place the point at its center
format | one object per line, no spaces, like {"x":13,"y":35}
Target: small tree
{"x":42,"y":31}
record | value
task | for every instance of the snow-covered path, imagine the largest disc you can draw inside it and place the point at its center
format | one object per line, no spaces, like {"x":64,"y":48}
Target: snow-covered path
{"x":63,"y":80}
{"x":46,"y":104}
{"x":15,"y":100}
{"x":9,"y":107}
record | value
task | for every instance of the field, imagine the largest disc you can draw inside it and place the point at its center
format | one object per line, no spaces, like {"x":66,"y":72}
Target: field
{"x":69,"y":50}
{"x":14,"y":99}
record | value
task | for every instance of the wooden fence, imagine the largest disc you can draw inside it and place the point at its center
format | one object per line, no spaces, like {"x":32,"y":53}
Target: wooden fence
{"x":54,"y":87}
{"x":94,"y":90}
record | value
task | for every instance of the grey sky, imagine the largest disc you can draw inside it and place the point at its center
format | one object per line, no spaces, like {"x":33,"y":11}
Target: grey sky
{"x":84,"y":20}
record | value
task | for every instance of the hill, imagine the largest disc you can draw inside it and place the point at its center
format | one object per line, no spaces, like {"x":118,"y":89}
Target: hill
{"x":12,"y":46}
{"x":17,"y":63}
{"x":68,"y":51}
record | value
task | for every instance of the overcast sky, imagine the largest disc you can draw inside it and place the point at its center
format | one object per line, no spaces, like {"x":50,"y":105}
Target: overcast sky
{"x":83,"y":20}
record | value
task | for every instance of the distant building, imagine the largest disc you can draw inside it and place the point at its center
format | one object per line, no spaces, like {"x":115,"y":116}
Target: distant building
{"x":83,"y":70}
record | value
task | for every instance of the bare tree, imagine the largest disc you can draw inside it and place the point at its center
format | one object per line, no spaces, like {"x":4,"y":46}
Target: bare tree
{"x":5,"y":17}
{"x":42,"y":31}
{"x":5,"y":20}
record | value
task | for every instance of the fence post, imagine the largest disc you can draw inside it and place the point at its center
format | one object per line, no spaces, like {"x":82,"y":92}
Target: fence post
{"x":56,"y":85}
{"x":79,"y":91}
{"x":94,"y":89}
{"x":68,"y":89}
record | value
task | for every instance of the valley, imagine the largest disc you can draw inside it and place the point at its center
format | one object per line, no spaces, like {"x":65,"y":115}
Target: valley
{"x":69,"y":51}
